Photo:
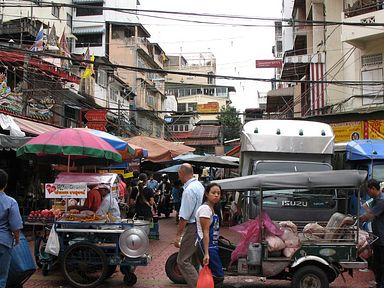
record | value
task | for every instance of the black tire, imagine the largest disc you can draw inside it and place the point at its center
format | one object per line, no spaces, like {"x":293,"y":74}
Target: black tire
{"x":45,"y":269}
{"x":310,"y":277}
{"x":111,"y":270}
{"x":84,"y":265}
{"x":130,"y":279}
{"x":172,"y":270}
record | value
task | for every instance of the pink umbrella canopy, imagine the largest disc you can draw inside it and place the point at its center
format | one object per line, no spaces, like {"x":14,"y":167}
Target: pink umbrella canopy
{"x":69,"y":144}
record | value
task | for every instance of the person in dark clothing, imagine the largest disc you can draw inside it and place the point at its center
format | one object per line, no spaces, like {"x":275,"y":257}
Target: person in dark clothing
{"x":143,"y":198}
{"x":375,"y":214}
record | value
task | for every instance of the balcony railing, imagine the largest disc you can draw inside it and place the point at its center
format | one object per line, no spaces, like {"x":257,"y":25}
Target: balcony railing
{"x":359,"y":7}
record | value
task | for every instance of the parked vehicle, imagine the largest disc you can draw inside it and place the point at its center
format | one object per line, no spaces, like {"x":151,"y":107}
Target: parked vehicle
{"x":317,"y":261}
{"x":367,"y":155}
{"x":285,"y":146}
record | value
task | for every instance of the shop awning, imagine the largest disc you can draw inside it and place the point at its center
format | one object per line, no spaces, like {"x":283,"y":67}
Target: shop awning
{"x":32,"y":127}
{"x":12,"y":142}
{"x":88,"y":30}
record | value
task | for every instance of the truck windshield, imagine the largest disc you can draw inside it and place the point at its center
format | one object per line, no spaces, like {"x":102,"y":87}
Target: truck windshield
{"x":378,"y":172}
{"x":275,"y":167}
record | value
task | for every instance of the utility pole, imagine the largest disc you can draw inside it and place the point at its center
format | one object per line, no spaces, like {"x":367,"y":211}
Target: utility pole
{"x":25,"y":90}
{"x":119,"y":116}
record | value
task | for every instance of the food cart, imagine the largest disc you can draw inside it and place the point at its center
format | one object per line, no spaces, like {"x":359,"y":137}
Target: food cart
{"x":317,"y":258}
{"x":91,"y":246}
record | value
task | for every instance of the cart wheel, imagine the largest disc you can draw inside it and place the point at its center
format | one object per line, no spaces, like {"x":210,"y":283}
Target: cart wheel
{"x":45,"y":269}
{"x":84,"y":265}
{"x":310,"y":277}
{"x":111,"y":270}
{"x":130,"y":279}
{"x":172,"y":270}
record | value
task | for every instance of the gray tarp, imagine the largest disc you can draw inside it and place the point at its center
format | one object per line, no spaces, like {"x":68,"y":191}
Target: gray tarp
{"x":300,"y":180}
{"x":12,"y":142}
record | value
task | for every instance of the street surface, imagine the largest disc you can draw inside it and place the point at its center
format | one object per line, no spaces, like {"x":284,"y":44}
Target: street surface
{"x":154,"y":275}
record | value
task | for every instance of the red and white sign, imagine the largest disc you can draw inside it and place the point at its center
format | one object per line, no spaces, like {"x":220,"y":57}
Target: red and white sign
{"x":102,"y":125}
{"x":96,"y":115}
{"x":274,"y":63}
{"x":68,"y":190}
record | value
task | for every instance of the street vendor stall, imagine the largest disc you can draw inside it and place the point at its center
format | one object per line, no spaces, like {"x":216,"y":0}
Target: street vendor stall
{"x":88,"y":244}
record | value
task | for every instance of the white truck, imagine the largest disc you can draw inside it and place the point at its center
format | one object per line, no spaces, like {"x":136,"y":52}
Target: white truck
{"x":284,"y":146}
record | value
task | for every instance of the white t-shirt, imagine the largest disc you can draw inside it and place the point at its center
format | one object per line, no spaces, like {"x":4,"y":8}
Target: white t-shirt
{"x":203,"y":211}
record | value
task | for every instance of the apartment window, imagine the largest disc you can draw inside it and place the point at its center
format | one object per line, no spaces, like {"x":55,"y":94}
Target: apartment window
{"x":69,"y":20}
{"x":91,"y":40}
{"x":181,"y":107}
{"x":192,"y":106}
{"x":102,"y":78}
{"x":372,"y":94}
{"x":56,"y":11}
{"x":150,"y":100}
{"x":279,"y":46}
{"x":113,"y":93}
{"x":97,"y":9}
{"x":211,"y":79}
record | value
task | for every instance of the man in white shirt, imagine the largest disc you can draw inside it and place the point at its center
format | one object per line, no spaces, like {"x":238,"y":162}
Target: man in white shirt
{"x":191,"y":200}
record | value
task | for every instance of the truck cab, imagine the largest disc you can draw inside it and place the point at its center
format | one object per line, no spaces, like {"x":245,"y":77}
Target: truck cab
{"x":289,"y":146}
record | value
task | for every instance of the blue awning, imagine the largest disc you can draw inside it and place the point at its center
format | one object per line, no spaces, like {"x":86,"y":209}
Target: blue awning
{"x":365,"y":149}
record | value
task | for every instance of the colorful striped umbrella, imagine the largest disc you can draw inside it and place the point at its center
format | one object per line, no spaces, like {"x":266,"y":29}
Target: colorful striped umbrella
{"x":69,"y":145}
{"x":126,"y":150}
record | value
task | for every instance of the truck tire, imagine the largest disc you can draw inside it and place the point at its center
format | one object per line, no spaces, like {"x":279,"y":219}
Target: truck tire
{"x":172,"y":270}
{"x":310,"y":277}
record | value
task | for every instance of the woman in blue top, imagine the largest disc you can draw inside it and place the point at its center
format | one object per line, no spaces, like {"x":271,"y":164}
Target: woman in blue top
{"x":207,"y":223}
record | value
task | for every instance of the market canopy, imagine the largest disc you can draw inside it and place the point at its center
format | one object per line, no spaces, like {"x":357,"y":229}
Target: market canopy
{"x":159,"y":150}
{"x":8,"y":142}
{"x":299,"y":180}
{"x":212,"y":161}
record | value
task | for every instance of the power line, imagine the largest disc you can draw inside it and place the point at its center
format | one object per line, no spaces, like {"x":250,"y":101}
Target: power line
{"x":217,"y":76}
{"x":290,"y":21}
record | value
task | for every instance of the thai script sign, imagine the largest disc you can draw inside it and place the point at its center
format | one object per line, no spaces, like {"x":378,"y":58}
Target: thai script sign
{"x":211,"y":107}
{"x":68,"y":190}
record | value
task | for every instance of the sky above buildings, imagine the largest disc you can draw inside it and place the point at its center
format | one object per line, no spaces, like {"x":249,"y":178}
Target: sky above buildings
{"x":236,"y":43}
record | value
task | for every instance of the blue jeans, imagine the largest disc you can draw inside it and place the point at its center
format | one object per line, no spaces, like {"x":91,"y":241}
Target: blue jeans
{"x":5,"y":260}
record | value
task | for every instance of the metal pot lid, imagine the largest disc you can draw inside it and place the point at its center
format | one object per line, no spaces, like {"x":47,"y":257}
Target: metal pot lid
{"x":133,"y":242}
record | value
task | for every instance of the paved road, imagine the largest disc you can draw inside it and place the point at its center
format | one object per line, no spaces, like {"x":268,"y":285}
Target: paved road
{"x":154,"y":275}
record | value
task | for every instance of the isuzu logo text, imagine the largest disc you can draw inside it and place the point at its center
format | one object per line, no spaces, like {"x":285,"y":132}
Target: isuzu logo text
{"x":288,"y":203}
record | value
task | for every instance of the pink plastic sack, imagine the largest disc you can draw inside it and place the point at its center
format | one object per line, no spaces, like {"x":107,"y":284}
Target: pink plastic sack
{"x":250,"y":232}
{"x":205,"y":279}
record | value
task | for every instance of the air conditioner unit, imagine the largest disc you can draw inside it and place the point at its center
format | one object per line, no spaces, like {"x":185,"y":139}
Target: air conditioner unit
{"x":190,"y":109}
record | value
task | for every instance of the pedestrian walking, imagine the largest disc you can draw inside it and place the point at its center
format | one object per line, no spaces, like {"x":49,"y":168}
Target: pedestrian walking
{"x":10,"y":226}
{"x":143,"y":198}
{"x":186,"y":231}
{"x":207,"y":223}
{"x":376,"y":214}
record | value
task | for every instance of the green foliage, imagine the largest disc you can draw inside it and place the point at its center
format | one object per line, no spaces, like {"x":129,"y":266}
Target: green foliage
{"x":230,"y":122}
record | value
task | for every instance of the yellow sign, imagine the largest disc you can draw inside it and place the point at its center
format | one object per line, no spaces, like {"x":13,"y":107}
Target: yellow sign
{"x":354,"y":130}
{"x":210,"y":107}
{"x":347,"y":131}
{"x":128,"y":175}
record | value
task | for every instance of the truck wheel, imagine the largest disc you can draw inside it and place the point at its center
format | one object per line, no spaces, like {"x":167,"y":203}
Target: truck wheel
{"x":130,"y":279}
{"x":310,"y":277}
{"x":172,"y":270}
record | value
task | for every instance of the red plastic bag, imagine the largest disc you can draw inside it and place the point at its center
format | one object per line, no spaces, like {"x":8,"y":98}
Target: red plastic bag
{"x":205,"y":279}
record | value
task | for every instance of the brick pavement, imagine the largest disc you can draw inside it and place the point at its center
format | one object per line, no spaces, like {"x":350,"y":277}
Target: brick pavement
{"x":154,"y":275}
